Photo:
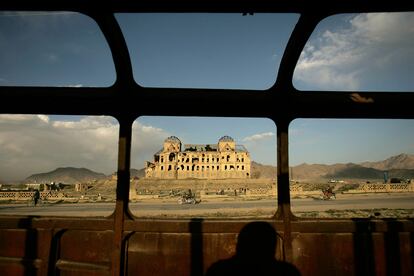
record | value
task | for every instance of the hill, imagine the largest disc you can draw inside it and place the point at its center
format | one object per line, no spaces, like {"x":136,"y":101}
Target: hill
{"x":401,"y":173}
{"x":67,"y":175}
{"x":258,"y":170}
{"x":399,"y":166}
{"x":356,"y":172}
{"x":359,"y":172}
{"x":137,"y":173}
{"x":401,"y":161}
{"x":307,"y":172}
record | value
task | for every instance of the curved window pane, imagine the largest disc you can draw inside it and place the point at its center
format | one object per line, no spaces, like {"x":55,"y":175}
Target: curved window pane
{"x":222,"y":168}
{"x":352,"y":168}
{"x":206,"y":50}
{"x":53,"y":49}
{"x":359,"y":52}
{"x":70,"y":160}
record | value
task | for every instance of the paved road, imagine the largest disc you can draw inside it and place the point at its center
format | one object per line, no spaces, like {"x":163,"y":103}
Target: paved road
{"x":396,"y":201}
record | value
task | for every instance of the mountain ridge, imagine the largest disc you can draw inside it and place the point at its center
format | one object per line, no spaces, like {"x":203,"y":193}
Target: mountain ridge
{"x":401,"y":166}
{"x":400,"y":161}
{"x":65,"y":175}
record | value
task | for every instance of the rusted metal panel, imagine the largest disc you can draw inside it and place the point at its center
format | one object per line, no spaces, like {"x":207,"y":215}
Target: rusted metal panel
{"x":24,"y":252}
{"x":28,"y":222}
{"x":177,"y":254}
{"x":20,"y":266}
{"x":184,"y":225}
{"x":14,"y":243}
{"x":406,"y":253}
{"x":16,"y":269}
{"x":159,"y":254}
{"x":76,"y":245}
{"x":82,"y":268}
{"x":84,"y":251}
{"x":356,"y":253}
{"x":181,"y":253}
{"x":82,"y":273}
{"x":184,"y":247}
{"x":351,"y":225}
{"x":323,"y":254}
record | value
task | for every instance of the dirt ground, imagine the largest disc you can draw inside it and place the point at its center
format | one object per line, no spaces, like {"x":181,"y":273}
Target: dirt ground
{"x":399,"y":205}
{"x":227,"y":206}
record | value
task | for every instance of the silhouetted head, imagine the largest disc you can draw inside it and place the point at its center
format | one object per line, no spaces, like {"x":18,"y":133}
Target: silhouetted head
{"x":257,"y":241}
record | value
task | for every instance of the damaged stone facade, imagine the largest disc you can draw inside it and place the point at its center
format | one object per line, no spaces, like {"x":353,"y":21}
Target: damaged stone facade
{"x":217,"y":161}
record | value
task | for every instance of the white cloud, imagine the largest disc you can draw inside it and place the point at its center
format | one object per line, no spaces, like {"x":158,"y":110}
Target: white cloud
{"x":262,"y":147}
{"x":35,"y":143}
{"x":10,"y":122}
{"x":341,"y":58}
{"x":85,"y":123}
{"x":44,"y":118}
{"x":7,"y":118}
{"x":258,"y":137}
{"x":75,"y":85}
{"x":146,"y":140}
{"x":384,"y":27}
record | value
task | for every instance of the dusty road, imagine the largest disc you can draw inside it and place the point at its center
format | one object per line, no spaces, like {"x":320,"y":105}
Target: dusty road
{"x":227,"y":208}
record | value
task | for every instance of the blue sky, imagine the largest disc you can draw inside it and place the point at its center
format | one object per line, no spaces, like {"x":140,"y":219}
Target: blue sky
{"x":53,"y":49}
{"x":346,"y":52}
{"x":329,"y":141}
{"x":206,"y":50}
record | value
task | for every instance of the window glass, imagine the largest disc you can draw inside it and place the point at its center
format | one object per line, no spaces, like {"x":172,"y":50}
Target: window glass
{"x":69,"y":160}
{"x":53,"y":49}
{"x":352,"y":168}
{"x":359,"y":52}
{"x":240,"y":51}
{"x":203,"y":167}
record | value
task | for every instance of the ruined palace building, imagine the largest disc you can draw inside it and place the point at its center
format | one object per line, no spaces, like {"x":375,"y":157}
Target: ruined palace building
{"x":217,"y":161}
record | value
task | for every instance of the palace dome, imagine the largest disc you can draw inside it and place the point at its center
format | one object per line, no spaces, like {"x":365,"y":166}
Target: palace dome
{"x":226,"y":139}
{"x":172,"y":139}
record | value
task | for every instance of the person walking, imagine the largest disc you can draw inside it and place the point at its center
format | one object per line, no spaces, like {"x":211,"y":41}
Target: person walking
{"x":36,"y":197}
